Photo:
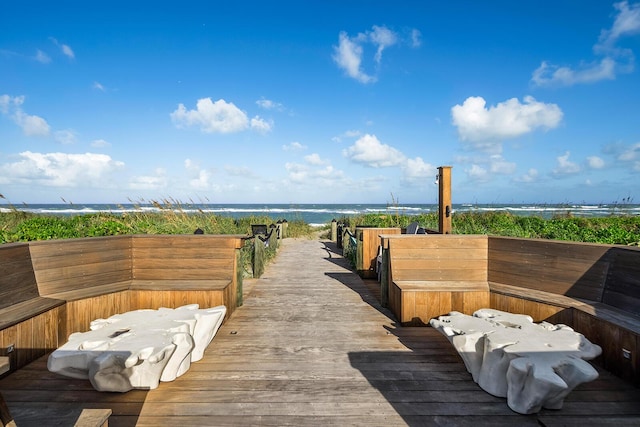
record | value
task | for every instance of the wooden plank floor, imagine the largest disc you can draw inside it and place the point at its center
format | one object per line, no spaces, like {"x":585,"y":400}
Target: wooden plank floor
{"x":312,"y":346}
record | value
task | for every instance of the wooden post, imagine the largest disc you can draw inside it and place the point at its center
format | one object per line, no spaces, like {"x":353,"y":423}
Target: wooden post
{"x":258,"y":257}
{"x":444,"y":199}
{"x":334,"y":231}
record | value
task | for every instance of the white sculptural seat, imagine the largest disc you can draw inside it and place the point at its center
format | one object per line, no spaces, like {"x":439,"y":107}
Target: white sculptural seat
{"x":533,"y":365}
{"x":138,"y":349}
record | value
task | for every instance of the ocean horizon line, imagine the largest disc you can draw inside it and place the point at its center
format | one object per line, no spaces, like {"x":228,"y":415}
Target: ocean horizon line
{"x":323,"y":213}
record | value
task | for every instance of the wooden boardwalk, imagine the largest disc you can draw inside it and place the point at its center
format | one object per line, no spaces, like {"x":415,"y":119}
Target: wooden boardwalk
{"x":312,"y":346}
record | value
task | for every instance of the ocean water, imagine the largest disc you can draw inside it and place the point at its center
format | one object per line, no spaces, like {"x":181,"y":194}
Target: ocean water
{"x":324,"y":213}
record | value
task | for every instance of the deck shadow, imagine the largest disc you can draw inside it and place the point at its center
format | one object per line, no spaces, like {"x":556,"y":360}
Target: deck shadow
{"x":34,"y":394}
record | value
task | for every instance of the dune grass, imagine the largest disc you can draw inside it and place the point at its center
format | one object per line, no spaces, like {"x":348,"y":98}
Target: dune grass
{"x":613,"y":229}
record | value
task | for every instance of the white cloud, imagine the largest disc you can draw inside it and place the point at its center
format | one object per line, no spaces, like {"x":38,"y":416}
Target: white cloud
{"x":65,"y":136}
{"x":61,"y":169}
{"x":532,"y":175}
{"x":239,"y":171}
{"x":297,"y":173}
{"x":100,"y":143}
{"x":486,"y":128}
{"x":31,"y":125}
{"x":98,"y":86}
{"x":382,"y":37}
{"x":314,"y":159}
{"x":549,"y":75}
{"x":349,"y":53}
{"x":294,"y":146}
{"x":348,"y":56}
{"x":565,"y":166}
{"x":306,"y":175}
{"x":416,"y":38}
{"x":268,"y":104}
{"x":66,"y":49}
{"x":627,"y":22}
{"x":630,"y":154}
{"x":615,"y":59}
{"x":212,"y":117}
{"x":42,"y":57}
{"x":157,"y":181}
{"x":369,"y":151}
{"x":260,"y":125}
{"x":478,"y":173}
{"x":202,"y":181}
{"x":10,"y":104}
{"x":499,"y":165}
{"x":416,"y":170}
{"x":348,"y":134}
{"x":595,"y":162}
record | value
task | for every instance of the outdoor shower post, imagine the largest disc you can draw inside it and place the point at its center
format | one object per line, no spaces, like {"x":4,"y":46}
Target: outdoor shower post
{"x":444,"y":199}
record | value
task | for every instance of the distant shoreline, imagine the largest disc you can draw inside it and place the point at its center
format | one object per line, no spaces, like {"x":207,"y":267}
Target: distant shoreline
{"x":317,"y":214}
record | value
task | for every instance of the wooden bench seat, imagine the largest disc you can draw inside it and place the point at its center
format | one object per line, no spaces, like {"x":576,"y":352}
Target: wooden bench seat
{"x":23,"y":310}
{"x":180,"y":285}
{"x":593,"y":288}
{"x":431,"y":275}
{"x":91,"y":291}
{"x":600,"y":310}
{"x":442,"y":285}
{"x":50,"y":289}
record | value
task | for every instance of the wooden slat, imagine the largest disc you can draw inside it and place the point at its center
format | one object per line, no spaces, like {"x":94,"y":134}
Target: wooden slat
{"x":72,"y":267}
{"x":201,"y":241}
{"x":81,"y":312}
{"x":442,"y":285}
{"x":22,"y":311}
{"x":180,"y":285}
{"x":566,"y":268}
{"x":622,"y":288}
{"x":437,"y":241}
{"x":17,"y":279}
{"x":434,"y":253}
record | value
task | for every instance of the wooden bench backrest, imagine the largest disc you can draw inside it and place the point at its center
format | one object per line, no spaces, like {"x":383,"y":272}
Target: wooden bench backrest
{"x":78,"y":264}
{"x":17,"y":278}
{"x":438,"y":257}
{"x":578,"y":270}
{"x":622,"y":287}
{"x":185,"y":257}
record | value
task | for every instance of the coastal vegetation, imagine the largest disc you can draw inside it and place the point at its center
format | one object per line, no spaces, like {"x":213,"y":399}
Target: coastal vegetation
{"x":613,"y":229}
{"x":16,"y":225}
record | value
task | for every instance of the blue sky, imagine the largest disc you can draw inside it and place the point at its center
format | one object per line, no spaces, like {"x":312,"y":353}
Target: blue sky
{"x":319,"y":101}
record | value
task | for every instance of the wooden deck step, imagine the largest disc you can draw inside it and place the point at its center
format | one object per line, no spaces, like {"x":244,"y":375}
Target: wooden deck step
{"x":312,"y":346}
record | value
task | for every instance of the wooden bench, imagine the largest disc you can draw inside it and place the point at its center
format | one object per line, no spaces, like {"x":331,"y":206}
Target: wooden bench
{"x":368,"y":243}
{"x":431,"y":275}
{"x":50,"y":289}
{"x":593,"y":288}
{"x":172,"y":271}
{"x":23,"y":310}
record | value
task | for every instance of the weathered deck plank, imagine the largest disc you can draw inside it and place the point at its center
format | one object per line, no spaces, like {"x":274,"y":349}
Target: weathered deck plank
{"x":312,"y":346}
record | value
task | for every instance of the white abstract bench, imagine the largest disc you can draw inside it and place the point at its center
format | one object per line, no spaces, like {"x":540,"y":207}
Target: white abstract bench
{"x":138,"y":349}
{"x":533,"y":365}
